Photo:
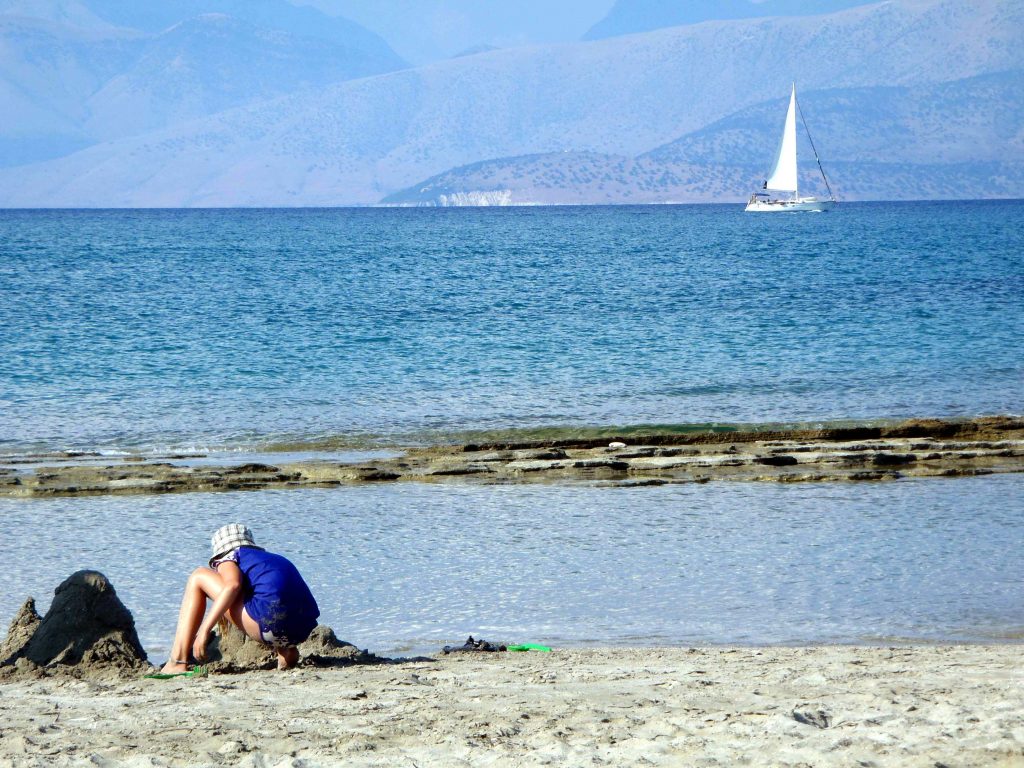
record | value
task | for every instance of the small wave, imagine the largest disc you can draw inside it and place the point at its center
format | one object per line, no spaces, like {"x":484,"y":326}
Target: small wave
{"x":366,"y":442}
{"x":527,"y":434}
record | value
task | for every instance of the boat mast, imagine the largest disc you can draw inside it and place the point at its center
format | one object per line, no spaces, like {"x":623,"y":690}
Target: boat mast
{"x":796,"y":155}
{"x":814,"y":149}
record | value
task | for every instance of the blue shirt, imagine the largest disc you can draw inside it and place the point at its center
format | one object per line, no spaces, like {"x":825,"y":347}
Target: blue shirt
{"x":275,"y":595}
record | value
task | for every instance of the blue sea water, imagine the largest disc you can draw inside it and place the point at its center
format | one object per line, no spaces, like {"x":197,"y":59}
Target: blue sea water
{"x":219,"y":329}
{"x":337,"y":330}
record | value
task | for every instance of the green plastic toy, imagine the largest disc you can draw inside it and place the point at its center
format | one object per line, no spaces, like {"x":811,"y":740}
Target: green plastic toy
{"x":195,"y":672}
{"x":529,"y":647}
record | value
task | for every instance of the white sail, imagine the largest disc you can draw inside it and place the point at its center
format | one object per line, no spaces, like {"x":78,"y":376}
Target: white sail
{"x":783,"y":176}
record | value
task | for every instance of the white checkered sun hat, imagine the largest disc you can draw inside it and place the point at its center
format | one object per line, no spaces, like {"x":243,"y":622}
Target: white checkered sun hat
{"x":229,"y":537}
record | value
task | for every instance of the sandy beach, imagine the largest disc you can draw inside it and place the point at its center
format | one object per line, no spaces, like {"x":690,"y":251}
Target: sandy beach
{"x":810,"y":706}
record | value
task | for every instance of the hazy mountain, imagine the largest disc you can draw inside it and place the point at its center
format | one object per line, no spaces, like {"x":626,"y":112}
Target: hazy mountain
{"x":630,"y":16}
{"x":277,"y":15}
{"x":978,"y":119}
{"x":75,"y":74}
{"x":359,"y":141}
{"x":67,"y":12}
{"x":424,"y":31}
{"x":951,"y":140}
{"x":47,"y":71}
{"x":212,"y":62}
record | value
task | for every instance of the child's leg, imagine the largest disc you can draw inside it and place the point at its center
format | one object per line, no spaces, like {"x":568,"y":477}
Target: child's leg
{"x":287,"y":657}
{"x":203,"y":584}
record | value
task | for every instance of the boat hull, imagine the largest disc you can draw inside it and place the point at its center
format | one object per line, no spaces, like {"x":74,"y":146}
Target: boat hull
{"x":803,"y":204}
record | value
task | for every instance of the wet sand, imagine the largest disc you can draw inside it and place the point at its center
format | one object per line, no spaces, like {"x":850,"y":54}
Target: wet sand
{"x":816,"y":706}
{"x":918,"y":448}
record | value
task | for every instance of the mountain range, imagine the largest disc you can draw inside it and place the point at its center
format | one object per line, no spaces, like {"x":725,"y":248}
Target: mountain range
{"x":423,"y":31}
{"x":906,"y":98}
{"x":79,"y":72}
{"x":631,"y":16}
{"x":891,"y":153}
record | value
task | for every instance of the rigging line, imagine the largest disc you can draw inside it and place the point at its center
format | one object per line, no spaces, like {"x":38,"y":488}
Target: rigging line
{"x":813,"y":149}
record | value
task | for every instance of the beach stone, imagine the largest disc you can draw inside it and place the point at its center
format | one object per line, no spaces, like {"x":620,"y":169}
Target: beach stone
{"x":459,"y":469}
{"x":634,"y":453}
{"x":251,"y":469}
{"x":540,"y":454}
{"x":493,"y":456}
{"x":533,"y":466}
{"x":945,"y":448}
{"x":231,"y":748}
{"x":777,"y":460}
{"x":87,"y":627}
{"x":816,"y":716}
{"x":678,"y":452}
{"x":375,"y":474}
{"x":661,"y":462}
{"x":613,"y":464}
{"x":892,"y":459}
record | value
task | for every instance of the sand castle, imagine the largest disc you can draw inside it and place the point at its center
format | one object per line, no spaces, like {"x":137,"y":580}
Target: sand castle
{"x":87,"y":630}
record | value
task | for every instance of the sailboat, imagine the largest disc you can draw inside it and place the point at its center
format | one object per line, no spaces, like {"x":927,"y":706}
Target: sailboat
{"x":783,"y":177}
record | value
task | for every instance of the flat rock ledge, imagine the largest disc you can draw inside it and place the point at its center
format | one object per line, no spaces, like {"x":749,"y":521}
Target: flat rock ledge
{"x":917,"y":448}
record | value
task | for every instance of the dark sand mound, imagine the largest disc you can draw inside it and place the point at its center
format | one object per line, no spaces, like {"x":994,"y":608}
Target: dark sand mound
{"x":87,"y":632}
{"x":324,"y":649}
{"x":232,"y":651}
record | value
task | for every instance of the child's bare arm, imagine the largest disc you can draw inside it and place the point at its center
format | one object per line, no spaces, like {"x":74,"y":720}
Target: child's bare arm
{"x":231,"y":576}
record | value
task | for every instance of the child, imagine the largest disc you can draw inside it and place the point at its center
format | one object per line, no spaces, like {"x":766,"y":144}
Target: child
{"x":260,"y":592}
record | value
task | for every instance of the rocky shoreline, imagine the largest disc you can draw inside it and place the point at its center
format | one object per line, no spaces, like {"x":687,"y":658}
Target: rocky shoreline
{"x":916,"y":448}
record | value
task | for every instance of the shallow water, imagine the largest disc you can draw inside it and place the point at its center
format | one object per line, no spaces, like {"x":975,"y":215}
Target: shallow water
{"x":407,"y":568}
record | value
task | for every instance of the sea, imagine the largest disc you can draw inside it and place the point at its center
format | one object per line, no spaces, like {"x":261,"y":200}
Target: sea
{"x":352,"y":333}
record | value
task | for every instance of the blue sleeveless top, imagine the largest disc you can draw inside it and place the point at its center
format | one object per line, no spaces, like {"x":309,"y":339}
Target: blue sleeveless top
{"x":275,"y":595}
